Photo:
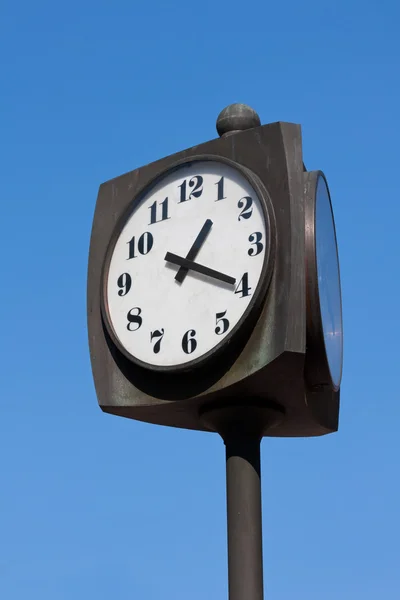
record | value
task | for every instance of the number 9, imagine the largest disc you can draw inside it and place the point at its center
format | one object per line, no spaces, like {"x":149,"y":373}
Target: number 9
{"x":124,"y":283}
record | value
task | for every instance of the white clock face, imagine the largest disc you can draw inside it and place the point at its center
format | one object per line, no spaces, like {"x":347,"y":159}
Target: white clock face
{"x":328,"y":281}
{"x":186,"y":264}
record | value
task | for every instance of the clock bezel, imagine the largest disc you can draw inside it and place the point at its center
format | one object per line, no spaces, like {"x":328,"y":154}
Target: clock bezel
{"x":246,"y":323}
{"x":317,"y":367}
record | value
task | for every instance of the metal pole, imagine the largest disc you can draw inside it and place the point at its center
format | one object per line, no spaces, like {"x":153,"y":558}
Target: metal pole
{"x":243,"y":491}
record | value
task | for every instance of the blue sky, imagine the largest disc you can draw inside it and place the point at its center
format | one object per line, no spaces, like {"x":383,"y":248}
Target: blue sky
{"x":97,"y":506}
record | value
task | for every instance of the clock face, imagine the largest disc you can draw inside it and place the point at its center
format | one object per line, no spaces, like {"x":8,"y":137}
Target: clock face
{"x":186,"y":265}
{"x":328,"y":280}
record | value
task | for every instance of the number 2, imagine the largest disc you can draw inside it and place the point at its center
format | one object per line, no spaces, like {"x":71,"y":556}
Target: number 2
{"x":246,"y":205}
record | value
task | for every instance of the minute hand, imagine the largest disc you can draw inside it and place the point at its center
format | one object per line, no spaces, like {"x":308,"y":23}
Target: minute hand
{"x":193,"y":266}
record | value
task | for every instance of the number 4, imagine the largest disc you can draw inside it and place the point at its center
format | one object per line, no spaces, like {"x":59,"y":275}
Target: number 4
{"x":243,"y":286}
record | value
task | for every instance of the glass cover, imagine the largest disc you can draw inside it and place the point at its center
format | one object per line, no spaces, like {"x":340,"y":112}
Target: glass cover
{"x":329,"y":281}
{"x":165,"y":312}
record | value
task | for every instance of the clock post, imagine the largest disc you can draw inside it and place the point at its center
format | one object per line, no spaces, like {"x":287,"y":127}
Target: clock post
{"x":214,"y":304}
{"x":242,"y":426}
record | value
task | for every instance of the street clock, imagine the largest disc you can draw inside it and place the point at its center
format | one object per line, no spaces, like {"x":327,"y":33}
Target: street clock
{"x":214,"y":303}
{"x":214,"y":288}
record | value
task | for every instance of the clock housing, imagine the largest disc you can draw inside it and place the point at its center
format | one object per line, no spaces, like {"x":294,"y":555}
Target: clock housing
{"x":264,"y":362}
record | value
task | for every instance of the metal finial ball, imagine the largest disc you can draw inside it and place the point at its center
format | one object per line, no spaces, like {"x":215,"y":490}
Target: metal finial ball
{"x":236,"y":117}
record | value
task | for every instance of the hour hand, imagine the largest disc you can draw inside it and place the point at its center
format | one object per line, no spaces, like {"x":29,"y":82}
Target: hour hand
{"x":197,"y":244}
{"x":193,"y":266}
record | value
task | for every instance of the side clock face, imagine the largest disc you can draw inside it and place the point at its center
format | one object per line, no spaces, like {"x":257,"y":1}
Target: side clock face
{"x":188,"y":265}
{"x":324,"y":291}
{"x":328,"y":280}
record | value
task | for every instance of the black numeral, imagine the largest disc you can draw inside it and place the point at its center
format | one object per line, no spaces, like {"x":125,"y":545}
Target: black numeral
{"x":124,"y":282}
{"x":222,"y":325}
{"x":134,"y":320}
{"x":144,"y":245}
{"x":243,"y":286}
{"x":195,"y":191}
{"x":189,"y":343}
{"x":220,"y":187}
{"x":255,"y":239}
{"x":158,"y":335}
{"x":245,"y":204}
{"x":153,"y":211}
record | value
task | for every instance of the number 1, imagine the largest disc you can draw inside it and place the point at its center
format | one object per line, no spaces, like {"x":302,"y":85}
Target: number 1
{"x":220,"y":187}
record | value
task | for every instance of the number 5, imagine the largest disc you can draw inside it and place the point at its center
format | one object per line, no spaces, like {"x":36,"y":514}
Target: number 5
{"x":222,"y":325}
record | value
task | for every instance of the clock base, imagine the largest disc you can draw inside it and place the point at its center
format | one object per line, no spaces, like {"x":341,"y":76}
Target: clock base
{"x":252,"y":418}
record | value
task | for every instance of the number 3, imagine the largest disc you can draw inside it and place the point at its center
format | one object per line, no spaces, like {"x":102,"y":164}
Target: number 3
{"x":255,"y":239}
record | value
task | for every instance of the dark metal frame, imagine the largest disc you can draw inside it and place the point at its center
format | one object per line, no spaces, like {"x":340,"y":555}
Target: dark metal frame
{"x":250,"y":315}
{"x":317,"y":365}
{"x":264,"y":367}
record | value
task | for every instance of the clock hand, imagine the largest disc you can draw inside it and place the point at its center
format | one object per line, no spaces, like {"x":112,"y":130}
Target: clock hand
{"x":189,"y":264}
{"x":197,"y":244}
